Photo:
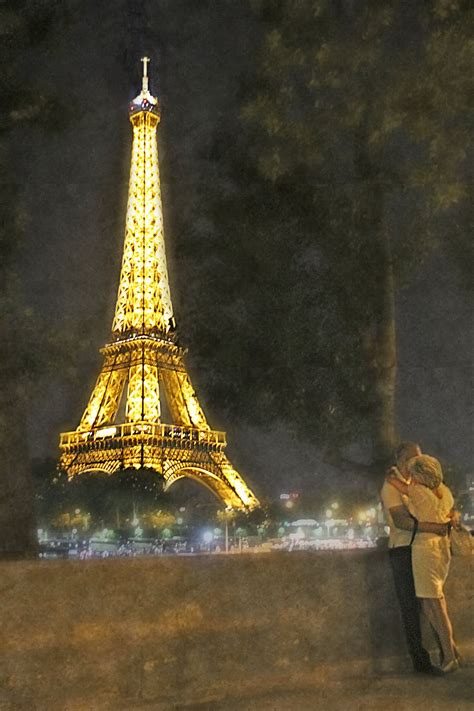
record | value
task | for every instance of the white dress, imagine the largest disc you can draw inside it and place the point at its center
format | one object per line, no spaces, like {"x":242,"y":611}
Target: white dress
{"x":430,"y":553}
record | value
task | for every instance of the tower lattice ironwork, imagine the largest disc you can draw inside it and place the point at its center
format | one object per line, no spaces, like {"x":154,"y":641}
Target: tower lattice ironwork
{"x":144,"y":362}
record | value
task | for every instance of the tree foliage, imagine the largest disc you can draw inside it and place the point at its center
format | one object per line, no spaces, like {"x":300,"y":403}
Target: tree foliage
{"x":348,"y":168}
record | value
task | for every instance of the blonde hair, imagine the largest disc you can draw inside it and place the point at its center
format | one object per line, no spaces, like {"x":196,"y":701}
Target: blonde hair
{"x":426,"y":470}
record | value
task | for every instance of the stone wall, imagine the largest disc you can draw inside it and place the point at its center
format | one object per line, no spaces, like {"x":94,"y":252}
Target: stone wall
{"x":122,"y":632}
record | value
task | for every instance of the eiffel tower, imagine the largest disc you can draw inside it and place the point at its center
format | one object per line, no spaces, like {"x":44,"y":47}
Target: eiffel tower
{"x":144,"y":363}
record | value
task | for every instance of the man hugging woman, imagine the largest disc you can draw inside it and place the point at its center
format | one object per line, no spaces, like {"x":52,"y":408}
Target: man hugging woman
{"x":428,"y":499}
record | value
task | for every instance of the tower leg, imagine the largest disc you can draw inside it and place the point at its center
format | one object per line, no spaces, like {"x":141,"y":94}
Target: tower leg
{"x":183,"y":403}
{"x":233,"y":479}
{"x":214,"y":471}
{"x":105,"y":399}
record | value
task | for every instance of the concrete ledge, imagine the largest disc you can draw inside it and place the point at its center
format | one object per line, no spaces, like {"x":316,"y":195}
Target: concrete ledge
{"x":120,"y":633}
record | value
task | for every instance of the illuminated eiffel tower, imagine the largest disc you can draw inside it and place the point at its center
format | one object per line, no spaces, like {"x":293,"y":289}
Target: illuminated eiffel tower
{"x":144,"y":360}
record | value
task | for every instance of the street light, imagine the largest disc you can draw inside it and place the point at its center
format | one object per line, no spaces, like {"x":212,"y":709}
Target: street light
{"x":329,"y":520}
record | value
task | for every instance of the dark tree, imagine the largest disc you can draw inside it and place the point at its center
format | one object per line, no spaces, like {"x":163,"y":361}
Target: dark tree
{"x":24,"y":25}
{"x":350,"y":168}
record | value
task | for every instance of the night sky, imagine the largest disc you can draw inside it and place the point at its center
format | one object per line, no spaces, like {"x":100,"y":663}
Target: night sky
{"x":74,"y":187}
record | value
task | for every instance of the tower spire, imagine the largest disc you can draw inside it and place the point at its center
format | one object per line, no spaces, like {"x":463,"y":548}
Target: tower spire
{"x":145,"y":61}
{"x":143,"y":364}
{"x":144,"y":299}
{"x":145,"y":98}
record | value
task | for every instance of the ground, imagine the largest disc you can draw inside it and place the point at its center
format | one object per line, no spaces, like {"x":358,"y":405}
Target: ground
{"x":403,"y":692}
{"x":390,"y":693}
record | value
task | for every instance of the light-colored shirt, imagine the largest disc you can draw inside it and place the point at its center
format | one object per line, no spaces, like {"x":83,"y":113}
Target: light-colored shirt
{"x":391,"y":498}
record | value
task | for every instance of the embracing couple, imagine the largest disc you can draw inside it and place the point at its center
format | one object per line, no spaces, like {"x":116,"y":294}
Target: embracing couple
{"x":418,"y":507}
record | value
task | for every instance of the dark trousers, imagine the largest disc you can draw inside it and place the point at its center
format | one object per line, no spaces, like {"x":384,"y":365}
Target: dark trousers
{"x":400,"y":561}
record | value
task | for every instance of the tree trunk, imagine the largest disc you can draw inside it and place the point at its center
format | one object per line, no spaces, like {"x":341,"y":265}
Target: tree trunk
{"x":384,"y":428}
{"x":17,"y":508}
{"x":374,"y":185}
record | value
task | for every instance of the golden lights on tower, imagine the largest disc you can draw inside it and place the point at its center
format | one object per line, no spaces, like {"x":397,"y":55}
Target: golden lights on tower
{"x":144,"y":363}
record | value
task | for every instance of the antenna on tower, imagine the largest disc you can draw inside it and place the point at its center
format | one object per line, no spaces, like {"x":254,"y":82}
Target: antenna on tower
{"x":145,"y":61}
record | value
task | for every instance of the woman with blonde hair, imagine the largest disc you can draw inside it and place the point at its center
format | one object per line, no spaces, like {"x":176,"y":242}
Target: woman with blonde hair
{"x":429,"y":499}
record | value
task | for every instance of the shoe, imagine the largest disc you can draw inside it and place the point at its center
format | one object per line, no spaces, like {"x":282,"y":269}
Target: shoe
{"x":450,"y":667}
{"x":429,"y":669}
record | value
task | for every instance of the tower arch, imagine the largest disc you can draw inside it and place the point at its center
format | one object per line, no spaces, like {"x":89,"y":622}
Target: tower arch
{"x":211,"y":480}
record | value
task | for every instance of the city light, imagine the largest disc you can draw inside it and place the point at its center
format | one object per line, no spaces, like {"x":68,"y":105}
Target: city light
{"x":301,"y":534}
